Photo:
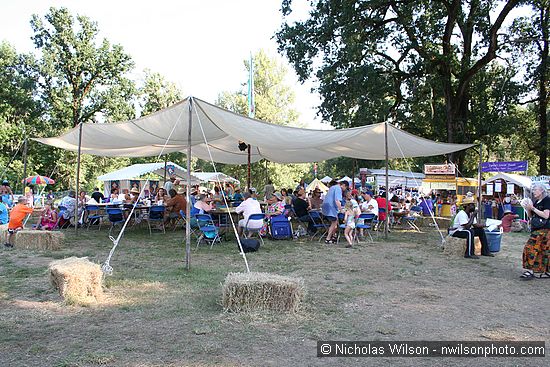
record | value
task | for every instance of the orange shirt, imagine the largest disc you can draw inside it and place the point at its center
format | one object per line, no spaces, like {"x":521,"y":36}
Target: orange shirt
{"x":17,"y":214}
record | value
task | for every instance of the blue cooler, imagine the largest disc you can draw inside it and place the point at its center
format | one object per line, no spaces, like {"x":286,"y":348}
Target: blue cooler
{"x":493,"y":240}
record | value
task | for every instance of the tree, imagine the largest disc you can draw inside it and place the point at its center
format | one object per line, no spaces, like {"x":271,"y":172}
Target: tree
{"x":157,"y":93}
{"x":364,"y":53}
{"x":531,"y":38}
{"x":273,"y":103}
{"x":79,"y":78}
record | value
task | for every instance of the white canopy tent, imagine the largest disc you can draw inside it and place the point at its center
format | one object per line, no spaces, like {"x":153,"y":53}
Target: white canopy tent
{"x":519,"y":180}
{"x":210,"y":132}
{"x":140,"y":169}
{"x":397,"y":178}
{"x":167,"y":131}
{"x":215,"y":177}
{"x":326,"y":179}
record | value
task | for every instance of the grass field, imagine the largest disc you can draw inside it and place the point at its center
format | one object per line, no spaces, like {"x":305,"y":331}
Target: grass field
{"x":158,"y":314}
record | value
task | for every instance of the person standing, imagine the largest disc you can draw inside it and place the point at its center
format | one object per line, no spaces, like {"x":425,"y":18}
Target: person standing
{"x":97,"y":196}
{"x":4,"y":216}
{"x":269,"y":189}
{"x":536,"y":252}
{"x":169,"y":185}
{"x":332,"y":205}
{"x":17,"y":215}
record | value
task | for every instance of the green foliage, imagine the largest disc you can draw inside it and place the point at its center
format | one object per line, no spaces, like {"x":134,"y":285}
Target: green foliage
{"x":273,"y":103}
{"x":157,"y":93}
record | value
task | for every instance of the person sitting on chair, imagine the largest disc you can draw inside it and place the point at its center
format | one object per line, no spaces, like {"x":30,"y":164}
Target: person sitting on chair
{"x":203,"y":204}
{"x":248,"y":207}
{"x":466,"y":226}
{"x":173,"y":205}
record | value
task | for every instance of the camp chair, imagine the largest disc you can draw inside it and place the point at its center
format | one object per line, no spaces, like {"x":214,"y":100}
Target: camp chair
{"x":182,"y":220}
{"x":319,"y":224}
{"x":62,"y":210}
{"x":247,"y":231}
{"x":209,"y":231}
{"x":93,"y":216}
{"x":342,"y":228}
{"x":366,"y":224}
{"x":156,"y":215}
{"x":116,"y":217}
{"x":410,"y":219}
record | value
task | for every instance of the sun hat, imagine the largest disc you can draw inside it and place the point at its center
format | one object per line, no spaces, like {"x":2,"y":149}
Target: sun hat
{"x":468,"y":200}
{"x":134,"y":190}
{"x":278,"y":195}
{"x":181,"y":191}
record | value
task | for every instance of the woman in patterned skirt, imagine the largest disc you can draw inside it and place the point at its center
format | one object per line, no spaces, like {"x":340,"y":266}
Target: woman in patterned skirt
{"x":536,"y":253}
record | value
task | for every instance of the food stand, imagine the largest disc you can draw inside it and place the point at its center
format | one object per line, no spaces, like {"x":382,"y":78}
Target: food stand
{"x":442,"y":179}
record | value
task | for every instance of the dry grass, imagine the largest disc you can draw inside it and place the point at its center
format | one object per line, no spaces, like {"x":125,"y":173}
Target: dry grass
{"x":158,"y":314}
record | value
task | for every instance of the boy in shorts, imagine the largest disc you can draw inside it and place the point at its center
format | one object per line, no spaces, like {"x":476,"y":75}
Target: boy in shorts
{"x":17,"y":215}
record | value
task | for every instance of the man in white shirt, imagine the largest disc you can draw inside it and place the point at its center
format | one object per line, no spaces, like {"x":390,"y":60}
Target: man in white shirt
{"x":248,"y":207}
{"x":465,"y":226}
{"x":169,"y":185}
{"x":369,"y":205}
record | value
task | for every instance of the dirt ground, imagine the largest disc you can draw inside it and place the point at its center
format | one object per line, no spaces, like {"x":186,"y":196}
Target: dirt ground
{"x":158,"y":314}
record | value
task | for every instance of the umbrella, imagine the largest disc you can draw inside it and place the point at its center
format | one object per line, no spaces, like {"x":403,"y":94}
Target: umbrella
{"x":39,"y":180}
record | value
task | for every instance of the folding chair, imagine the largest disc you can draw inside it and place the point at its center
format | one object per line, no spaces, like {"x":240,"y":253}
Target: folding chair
{"x":62,"y":210}
{"x":342,"y":228}
{"x":209,"y":231}
{"x":156,"y":215}
{"x":414,"y":213}
{"x":93,"y":216}
{"x":365,"y":222}
{"x":183,"y":221}
{"x":116,"y":216}
{"x":319,"y":224}
{"x":259,"y":216}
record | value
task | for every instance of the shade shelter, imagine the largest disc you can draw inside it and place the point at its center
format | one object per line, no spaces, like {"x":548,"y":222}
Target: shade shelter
{"x":215,"y":177}
{"x":326,"y":179}
{"x":132,"y":176}
{"x":213,"y":133}
{"x":316,"y":183}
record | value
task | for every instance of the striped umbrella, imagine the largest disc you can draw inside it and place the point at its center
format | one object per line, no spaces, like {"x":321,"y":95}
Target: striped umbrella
{"x":39,"y":180}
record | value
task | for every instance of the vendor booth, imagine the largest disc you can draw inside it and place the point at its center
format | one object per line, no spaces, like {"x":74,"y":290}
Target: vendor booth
{"x":401,"y":180}
{"x":503,"y":191}
{"x":132,"y":177}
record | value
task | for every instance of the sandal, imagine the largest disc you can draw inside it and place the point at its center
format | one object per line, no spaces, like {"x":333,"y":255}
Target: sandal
{"x":544,"y":276}
{"x":527,"y":275}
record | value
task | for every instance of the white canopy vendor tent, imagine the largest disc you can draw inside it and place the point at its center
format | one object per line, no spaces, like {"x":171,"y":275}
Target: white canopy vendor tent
{"x":519,"y":180}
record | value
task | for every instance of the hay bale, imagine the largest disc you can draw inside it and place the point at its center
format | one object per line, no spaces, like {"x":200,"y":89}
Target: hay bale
{"x":41,"y":240}
{"x":262,"y":291}
{"x":78,"y":280}
{"x":4,"y":233}
{"x":455,"y":246}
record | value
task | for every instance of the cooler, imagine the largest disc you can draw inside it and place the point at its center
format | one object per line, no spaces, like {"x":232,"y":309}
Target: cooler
{"x":493,"y":240}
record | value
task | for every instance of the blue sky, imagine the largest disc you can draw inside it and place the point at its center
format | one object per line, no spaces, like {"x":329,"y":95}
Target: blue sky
{"x":199,"y":45}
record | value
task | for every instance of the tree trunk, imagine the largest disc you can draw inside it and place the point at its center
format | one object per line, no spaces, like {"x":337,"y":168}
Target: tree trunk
{"x":543,"y":95}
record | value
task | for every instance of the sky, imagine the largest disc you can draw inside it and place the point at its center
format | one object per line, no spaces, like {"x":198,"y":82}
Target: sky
{"x":199,"y":45}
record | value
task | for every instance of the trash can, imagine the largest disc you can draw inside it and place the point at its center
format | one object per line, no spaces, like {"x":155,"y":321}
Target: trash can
{"x":493,"y":240}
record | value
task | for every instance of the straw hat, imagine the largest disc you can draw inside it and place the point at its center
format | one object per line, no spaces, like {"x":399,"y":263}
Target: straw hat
{"x":468,"y":200}
{"x":134,"y":190}
{"x":317,"y":190}
{"x":181,"y":191}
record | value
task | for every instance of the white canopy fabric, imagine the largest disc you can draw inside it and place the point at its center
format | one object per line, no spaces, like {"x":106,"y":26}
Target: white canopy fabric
{"x":215,"y":177}
{"x":166,"y":131}
{"x":519,"y":180}
{"x":326,"y":179}
{"x":137,"y":170}
{"x":345,"y":178}
{"x":316,"y":183}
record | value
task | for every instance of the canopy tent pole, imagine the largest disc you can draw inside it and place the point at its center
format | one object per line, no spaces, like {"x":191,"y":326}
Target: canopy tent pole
{"x":165,"y":164}
{"x":188,"y":206}
{"x":479,"y":211}
{"x":387,"y":224}
{"x":78,"y":177}
{"x":248,"y":173}
{"x":24,"y":163}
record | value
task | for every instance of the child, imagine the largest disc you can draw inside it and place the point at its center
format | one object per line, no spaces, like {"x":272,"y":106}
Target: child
{"x":507,"y":220}
{"x":17,"y":214}
{"x":350,"y":215}
{"x":48,"y":219}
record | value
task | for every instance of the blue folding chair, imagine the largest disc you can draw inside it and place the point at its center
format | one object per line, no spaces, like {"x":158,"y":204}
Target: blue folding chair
{"x":93,"y":216}
{"x":259,"y":216}
{"x":341,"y":226}
{"x":156,"y":215}
{"x":414,"y":213}
{"x":318,"y":224}
{"x":209,"y":231}
{"x":365,"y":222}
{"x":116,"y":217}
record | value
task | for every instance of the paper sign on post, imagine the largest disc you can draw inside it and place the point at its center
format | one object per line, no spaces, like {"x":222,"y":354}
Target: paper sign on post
{"x":489,"y":189}
{"x":510,"y":188}
{"x":498,"y":186}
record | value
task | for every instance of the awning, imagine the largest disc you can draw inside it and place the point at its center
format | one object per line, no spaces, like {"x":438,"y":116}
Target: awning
{"x":166,"y":131}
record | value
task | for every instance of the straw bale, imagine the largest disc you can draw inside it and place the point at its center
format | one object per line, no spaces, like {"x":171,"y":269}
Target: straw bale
{"x":245,"y":292}
{"x":41,"y":240}
{"x":455,"y":246}
{"x":3,"y":232}
{"x":78,"y":280}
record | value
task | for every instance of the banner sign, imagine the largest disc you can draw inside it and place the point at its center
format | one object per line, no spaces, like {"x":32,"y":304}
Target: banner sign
{"x":440,"y":169}
{"x":504,"y":166}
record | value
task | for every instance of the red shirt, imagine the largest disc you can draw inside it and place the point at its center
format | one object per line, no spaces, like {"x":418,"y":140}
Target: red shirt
{"x":382,"y":205}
